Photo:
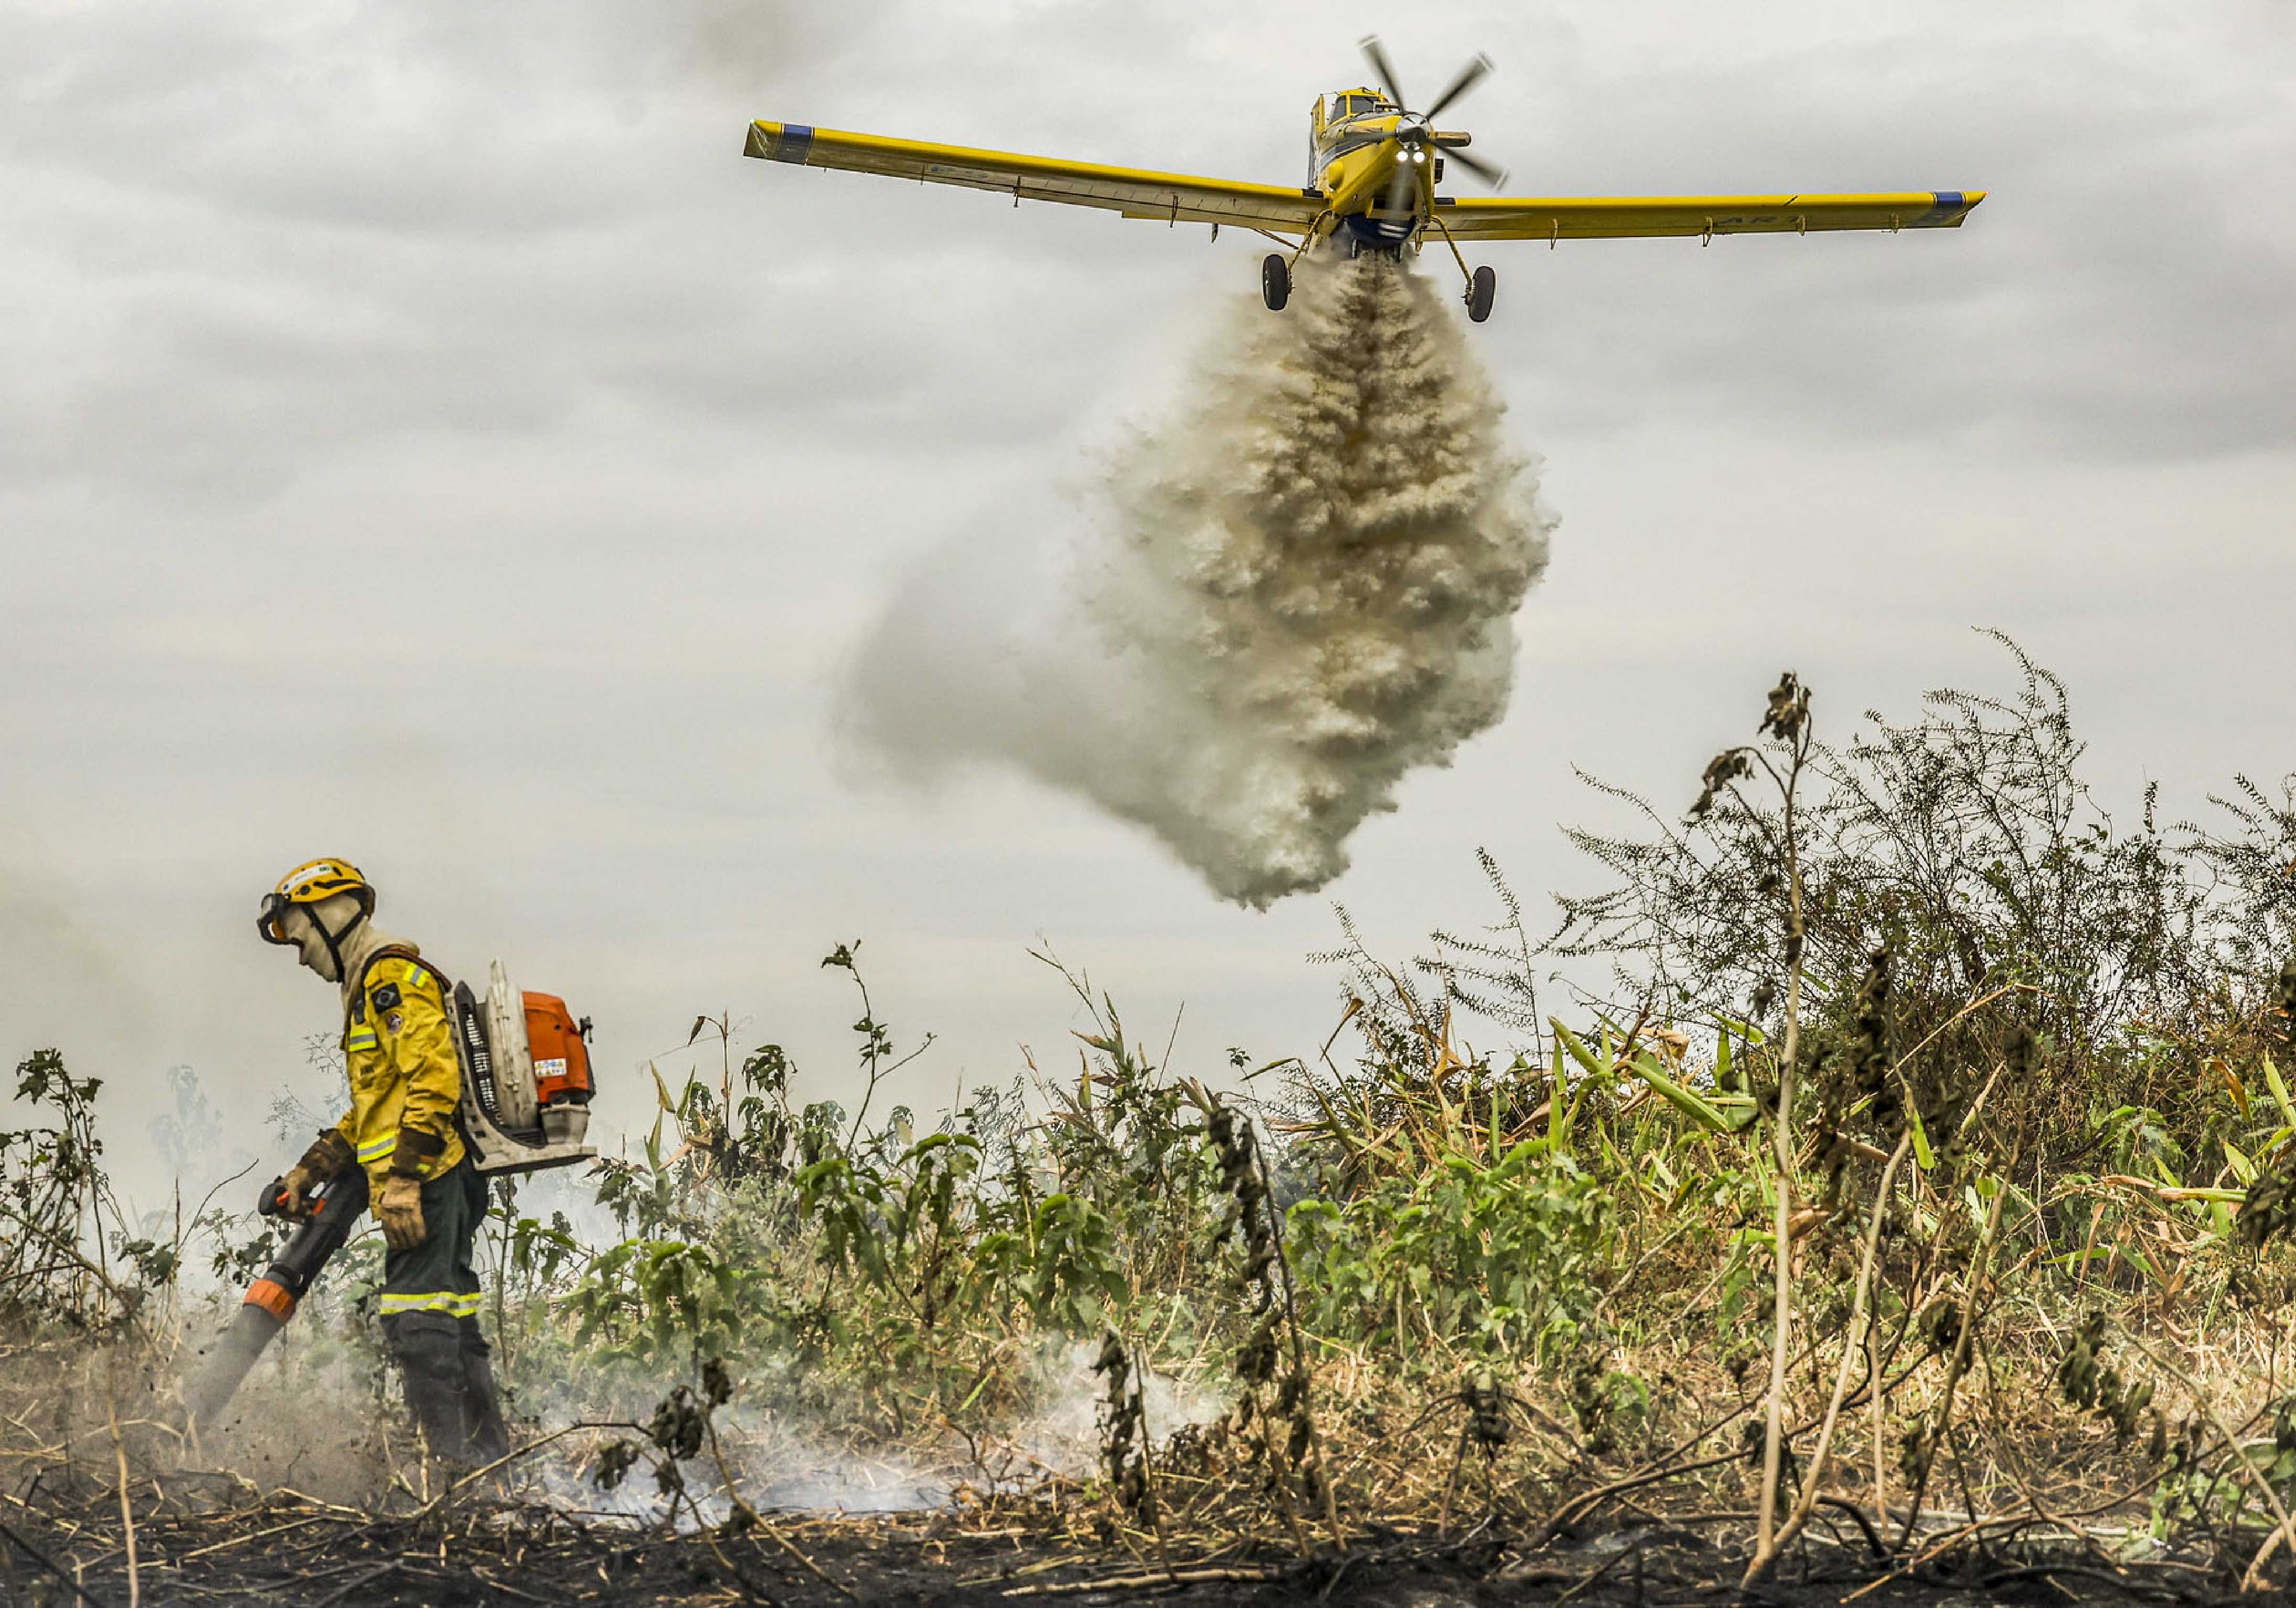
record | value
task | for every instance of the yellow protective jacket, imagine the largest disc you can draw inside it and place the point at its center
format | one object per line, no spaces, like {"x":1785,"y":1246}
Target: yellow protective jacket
{"x":398,"y":1046}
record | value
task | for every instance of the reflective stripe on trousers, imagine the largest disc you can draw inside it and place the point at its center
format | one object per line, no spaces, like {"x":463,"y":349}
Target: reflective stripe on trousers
{"x":455,"y":1303}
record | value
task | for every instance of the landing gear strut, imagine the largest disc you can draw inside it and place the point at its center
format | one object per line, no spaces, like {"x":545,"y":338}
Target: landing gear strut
{"x":1481,"y":286}
{"x":1274,"y":280}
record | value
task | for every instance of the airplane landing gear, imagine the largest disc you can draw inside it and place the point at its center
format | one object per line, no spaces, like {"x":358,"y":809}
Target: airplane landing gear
{"x":1481,"y":286}
{"x":1274,"y":280}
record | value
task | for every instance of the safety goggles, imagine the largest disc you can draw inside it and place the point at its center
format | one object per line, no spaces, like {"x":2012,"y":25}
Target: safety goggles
{"x":271,"y":924}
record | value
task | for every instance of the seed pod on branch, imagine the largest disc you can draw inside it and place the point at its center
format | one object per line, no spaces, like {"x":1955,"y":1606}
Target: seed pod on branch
{"x":678,"y":1424}
{"x":1869,"y":1043}
{"x":1487,"y":1422}
{"x":1283,"y":1444}
{"x":614,"y":1463}
{"x":2089,"y":1381}
{"x":1789,"y":708}
{"x":1124,"y":1431}
{"x":1723,"y":769}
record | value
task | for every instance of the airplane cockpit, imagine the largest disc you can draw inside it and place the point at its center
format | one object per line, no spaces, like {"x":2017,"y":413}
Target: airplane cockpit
{"x":1330,"y":137}
{"x":1351,"y":103}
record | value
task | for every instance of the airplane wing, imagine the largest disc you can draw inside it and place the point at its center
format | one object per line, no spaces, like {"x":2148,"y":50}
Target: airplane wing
{"x":1136,"y":193}
{"x":1603,"y":218}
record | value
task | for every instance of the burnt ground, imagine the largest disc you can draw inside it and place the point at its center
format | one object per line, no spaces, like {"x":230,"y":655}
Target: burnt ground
{"x":287,"y":1549}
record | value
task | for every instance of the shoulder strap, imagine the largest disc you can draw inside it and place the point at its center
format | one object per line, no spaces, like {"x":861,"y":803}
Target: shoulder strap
{"x":392,"y":952}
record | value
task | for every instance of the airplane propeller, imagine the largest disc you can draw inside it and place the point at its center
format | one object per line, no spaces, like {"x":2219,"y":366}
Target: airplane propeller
{"x":1472,"y":74}
{"x":1417,"y":128}
{"x":1376,"y":53}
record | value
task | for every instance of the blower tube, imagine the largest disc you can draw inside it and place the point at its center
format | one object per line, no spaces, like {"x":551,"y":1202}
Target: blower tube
{"x":271,"y":1300}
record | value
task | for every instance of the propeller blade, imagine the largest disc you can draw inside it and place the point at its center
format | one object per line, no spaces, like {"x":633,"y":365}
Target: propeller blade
{"x":1376,"y":54}
{"x":1472,"y":73}
{"x":1489,"y":173}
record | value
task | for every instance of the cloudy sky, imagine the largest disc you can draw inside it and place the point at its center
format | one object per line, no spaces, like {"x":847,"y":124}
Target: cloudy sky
{"x":424,"y":439}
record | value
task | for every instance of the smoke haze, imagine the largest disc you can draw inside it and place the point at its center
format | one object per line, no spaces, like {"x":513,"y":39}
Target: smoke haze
{"x":1294,"y":591}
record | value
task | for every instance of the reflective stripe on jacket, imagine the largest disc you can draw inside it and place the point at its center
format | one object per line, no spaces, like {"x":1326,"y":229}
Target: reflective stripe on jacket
{"x":398,"y":1048}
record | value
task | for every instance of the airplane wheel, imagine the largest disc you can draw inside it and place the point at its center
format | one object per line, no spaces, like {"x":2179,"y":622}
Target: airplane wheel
{"x":1480,"y":289}
{"x":1274,"y":280}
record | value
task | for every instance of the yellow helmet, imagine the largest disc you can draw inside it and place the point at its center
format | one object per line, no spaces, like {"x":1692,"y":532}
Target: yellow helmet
{"x":308,"y":884}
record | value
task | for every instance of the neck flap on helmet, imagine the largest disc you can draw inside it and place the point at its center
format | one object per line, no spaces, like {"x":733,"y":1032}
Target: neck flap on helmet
{"x":334,"y":941}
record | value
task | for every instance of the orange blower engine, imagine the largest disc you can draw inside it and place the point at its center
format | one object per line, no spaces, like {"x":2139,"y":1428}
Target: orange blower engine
{"x":526,"y":1078}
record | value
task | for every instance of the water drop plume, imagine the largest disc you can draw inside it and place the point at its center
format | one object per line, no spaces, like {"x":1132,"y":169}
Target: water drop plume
{"x":1300,"y":586}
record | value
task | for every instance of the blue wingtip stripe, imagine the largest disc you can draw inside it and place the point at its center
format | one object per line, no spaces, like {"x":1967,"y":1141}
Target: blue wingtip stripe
{"x":1946,"y":209}
{"x":796,"y":143}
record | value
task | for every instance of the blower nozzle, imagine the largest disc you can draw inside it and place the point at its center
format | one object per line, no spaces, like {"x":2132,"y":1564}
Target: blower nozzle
{"x":272,"y":1299}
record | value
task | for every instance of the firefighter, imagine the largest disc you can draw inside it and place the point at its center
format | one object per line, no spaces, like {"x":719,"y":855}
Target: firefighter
{"x":405,"y":1086}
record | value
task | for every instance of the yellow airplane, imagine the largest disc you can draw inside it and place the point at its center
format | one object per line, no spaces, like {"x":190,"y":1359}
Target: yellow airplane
{"x":1373,"y":169}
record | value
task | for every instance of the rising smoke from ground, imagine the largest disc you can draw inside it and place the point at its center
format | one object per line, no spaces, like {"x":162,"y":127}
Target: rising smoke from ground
{"x":1303,"y":588}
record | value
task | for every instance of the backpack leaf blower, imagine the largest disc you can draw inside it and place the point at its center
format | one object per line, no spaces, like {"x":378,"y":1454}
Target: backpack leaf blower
{"x":526,"y":1078}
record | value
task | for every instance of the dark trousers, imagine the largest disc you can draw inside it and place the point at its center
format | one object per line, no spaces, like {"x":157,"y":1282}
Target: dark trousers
{"x":431,"y":1323}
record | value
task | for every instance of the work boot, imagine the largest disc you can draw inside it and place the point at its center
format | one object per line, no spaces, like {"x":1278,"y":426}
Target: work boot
{"x":431,"y":1368}
{"x":484,"y":1431}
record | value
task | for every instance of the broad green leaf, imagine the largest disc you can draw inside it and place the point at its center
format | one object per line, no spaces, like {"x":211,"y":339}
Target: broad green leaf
{"x":2242,"y":1168}
{"x":2279,"y":1090}
{"x":1922,"y":1153}
{"x":1579,"y":1053}
{"x":2137,"y":1254}
{"x":1707,"y":1114}
{"x":1607,"y":1061}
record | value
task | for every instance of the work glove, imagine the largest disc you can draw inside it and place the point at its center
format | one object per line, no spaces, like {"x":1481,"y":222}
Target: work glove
{"x":401,"y":1211}
{"x":296,"y":1188}
{"x":328,"y":1155}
